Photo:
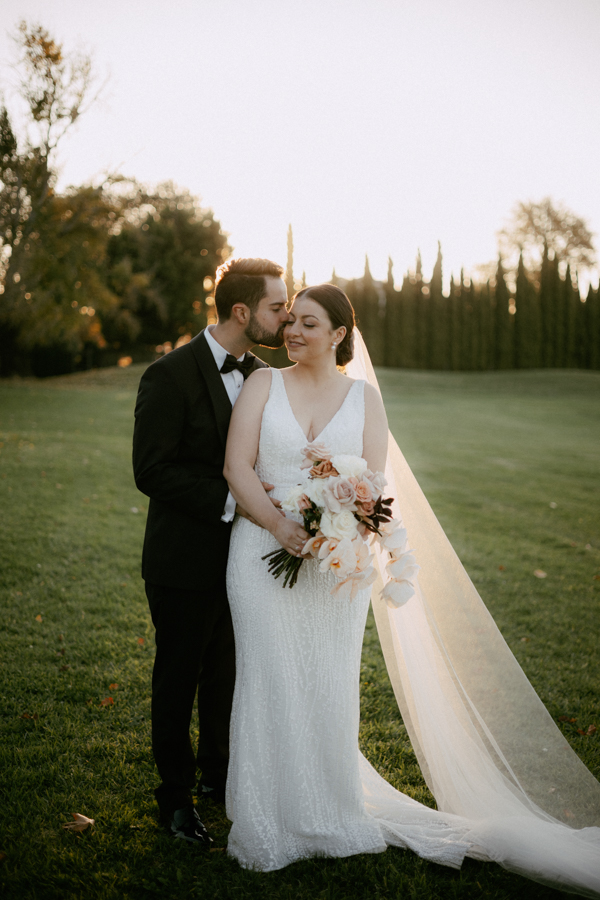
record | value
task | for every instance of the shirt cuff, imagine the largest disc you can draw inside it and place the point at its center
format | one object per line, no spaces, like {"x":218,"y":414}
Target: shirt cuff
{"x":229,"y":511}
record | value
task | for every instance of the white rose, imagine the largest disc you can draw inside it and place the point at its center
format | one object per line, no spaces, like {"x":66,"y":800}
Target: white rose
{"x":291,"y":501}
{"x":349,"y":465}
{"x":339,"y":525}
{"x":314,"y":491}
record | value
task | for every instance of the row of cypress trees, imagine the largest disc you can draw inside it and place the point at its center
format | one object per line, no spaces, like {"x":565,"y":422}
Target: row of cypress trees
{"x":542,"y":322}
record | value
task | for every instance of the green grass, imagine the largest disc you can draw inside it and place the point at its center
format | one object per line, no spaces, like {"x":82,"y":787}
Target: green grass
{"x":491,"y":450}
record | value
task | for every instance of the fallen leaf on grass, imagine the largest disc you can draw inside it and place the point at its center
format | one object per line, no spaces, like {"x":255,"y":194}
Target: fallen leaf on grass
{"x":596,"y":577}
{"x":61,"y":652}
{"x":2,"y":857}
{"x":539,"y":574}
{"x":566,"y":719}
{"x":113,"y":687}
{"x":38,"y":618}
{"x":591,"y":730}
{"x":80,"y":824}
{"x":501,"y":568}
{"x":217,"y":849}
{"x":525,"y":640}
{"x":108,"y":701}
{"x":141,"y":641}
{"x":27,"y":716}
{"x":64,"y":668}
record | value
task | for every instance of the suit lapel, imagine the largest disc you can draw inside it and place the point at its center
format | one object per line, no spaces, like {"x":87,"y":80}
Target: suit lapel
{"x":218,"y":395}
{"x":216,"y":389}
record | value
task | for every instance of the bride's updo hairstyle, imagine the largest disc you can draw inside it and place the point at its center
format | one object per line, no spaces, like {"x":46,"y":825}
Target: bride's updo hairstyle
{"x":340,"y":313}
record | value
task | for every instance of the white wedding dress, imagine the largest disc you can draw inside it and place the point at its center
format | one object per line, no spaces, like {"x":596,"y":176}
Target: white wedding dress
{"x":297,"y":785}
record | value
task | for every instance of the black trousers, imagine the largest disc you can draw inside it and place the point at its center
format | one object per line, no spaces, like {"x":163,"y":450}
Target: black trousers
{"x":194,"y":652}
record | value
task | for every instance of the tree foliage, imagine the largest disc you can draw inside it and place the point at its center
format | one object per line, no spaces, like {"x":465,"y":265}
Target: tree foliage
{"x":534,"y":226}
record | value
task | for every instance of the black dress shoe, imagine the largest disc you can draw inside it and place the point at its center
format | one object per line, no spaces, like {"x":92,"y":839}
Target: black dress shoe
{"x":217,"y":795}
{"x":185,"y":824}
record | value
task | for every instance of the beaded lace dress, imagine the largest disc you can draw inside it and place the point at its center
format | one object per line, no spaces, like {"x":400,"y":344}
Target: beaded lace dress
{"x":297,"y":784}
{"x":295,"y":788}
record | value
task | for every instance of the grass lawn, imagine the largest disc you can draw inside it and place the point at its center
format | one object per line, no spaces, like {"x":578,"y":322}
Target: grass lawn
{"x":509,"y":462}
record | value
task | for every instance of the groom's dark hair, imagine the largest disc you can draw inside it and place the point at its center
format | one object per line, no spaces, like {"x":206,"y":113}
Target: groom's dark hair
{"x":242,"y":281}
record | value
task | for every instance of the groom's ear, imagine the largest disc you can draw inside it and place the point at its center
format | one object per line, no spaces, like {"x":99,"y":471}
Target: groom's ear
{"x":240,"y":313}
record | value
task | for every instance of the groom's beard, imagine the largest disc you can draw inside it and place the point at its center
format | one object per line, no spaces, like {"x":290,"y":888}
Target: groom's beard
{"x":259,"y":335}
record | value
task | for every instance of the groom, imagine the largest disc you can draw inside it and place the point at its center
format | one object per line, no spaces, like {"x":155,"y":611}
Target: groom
{"x":181,"y":419}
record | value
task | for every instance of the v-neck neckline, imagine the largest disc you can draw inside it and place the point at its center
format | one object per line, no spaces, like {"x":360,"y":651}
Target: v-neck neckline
{"x":325,"y":427}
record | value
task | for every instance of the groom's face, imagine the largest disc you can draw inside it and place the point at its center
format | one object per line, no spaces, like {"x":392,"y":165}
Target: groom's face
{"x":270,"y":317}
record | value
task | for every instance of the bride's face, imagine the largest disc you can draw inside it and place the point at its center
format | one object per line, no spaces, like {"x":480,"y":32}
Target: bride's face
{"x":308,"y":333}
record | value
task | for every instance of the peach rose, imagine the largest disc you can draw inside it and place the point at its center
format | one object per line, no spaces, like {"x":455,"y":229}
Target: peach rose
{"x":340,"y":494}
{"x":315,"y":452}
{"x":364,"y":494}
{"x":323,"y":469}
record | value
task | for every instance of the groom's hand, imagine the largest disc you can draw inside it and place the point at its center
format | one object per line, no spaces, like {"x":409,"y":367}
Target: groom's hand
{"x":269,"y":487}
{"x":246,"y":515}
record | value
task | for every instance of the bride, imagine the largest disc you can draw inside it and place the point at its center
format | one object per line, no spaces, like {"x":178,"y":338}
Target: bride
{"x":507,"y":785}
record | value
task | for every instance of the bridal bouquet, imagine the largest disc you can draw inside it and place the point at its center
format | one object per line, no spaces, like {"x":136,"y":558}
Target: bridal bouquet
{"x":342,"y":506}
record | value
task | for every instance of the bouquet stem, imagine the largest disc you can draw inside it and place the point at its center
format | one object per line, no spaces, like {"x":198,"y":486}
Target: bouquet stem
{"x":281,"y":561}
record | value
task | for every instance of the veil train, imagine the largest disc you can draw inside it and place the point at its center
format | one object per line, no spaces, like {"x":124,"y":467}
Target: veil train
{"x":508,"y":786}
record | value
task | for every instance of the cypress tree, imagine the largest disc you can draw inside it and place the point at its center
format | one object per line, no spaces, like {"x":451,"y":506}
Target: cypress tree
{"x":454,"y":326}
{"x":486,"y":327}
{"x":474,"y":328}
{"x":374,"y":316}
{"x":420,"y":315}
{"x":547,"y":306}
{"x":470,"y":331}
{"x":393,"y":330}
{"x":503,"y":356}
{"x":592,"y":328}
{"x":289,"y":269}
{"x":526,"y":324}
{"x":438,"y":318}
{"x":569,"y":311}
{"x":409,"y":357}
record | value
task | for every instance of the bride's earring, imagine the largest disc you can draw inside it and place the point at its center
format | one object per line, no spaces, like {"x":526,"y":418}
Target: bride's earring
{"x":333,"y":346}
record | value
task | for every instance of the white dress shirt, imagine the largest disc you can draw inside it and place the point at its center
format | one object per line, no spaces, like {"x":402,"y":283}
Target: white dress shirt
{"x":233,"y":382}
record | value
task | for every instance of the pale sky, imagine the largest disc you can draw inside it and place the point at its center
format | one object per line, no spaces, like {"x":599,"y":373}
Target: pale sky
{"x":373,"y":126}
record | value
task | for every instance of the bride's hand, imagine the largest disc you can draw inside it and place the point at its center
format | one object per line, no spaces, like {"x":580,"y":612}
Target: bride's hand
{"x":291,"y":536}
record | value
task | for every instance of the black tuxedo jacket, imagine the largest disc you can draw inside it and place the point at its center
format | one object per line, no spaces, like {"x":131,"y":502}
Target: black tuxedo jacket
{"x":181,"y":421}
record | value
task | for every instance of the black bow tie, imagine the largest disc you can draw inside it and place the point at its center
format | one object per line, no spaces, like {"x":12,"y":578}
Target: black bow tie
{"x":231,"y":363}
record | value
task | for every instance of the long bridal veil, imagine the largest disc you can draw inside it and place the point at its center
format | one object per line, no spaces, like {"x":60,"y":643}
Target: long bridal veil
{"x":488,"y":749}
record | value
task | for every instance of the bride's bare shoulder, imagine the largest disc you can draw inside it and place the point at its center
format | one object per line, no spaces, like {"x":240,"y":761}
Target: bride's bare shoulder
{"x":256,"y":387}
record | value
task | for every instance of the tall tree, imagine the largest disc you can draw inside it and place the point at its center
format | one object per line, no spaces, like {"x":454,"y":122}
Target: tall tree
{"x":438,"y":327}
{"x":420,"y":308}
{"x":54,"y":87}
{"x":393,"y":321}
{"x":373,"y":312}
{"x":534,"y":226}
{"x":503,"y":334}
{"x":289,"y":268}
{"x":177,"y":247}
{"x":548,"y":271}
{"x":527,"y":322}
